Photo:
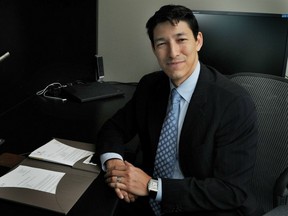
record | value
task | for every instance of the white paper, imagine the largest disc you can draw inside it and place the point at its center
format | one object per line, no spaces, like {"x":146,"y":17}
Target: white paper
{"x":32,"y":178}
{"x":88,"y":161}
{"x":55,"y":151}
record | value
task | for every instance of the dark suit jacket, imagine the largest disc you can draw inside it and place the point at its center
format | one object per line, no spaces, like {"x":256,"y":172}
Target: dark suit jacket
{"x":217,"y":144}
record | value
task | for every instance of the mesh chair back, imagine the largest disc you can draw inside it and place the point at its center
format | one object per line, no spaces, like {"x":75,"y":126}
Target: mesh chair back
{"x":270,"y":94}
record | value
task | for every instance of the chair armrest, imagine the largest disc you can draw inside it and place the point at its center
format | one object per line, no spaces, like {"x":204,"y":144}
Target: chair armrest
{"x":281,"y":210}
{"x":280,"y":196}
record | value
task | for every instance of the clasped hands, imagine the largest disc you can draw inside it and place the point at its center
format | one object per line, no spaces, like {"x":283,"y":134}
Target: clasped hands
{"x":128,"y":181}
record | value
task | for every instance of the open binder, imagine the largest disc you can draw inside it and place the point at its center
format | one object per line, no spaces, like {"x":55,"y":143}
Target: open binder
{"x":73,"y":184}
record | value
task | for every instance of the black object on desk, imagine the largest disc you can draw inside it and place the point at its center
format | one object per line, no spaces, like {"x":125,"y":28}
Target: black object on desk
{"x":91,"y":91}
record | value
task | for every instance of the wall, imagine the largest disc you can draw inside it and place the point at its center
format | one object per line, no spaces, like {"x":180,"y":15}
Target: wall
{"x":122,"y":39}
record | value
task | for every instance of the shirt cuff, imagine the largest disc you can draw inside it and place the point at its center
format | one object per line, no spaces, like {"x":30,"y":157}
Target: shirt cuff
{"x":107,"y":156}
{"x":159,"y":193}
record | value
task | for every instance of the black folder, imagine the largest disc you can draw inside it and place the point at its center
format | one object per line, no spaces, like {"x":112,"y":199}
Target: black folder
{"x":91,"y":91}
{"x":71,"y":187}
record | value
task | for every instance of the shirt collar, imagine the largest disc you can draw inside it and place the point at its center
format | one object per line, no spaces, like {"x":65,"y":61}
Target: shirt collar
{"x":187,"y":88}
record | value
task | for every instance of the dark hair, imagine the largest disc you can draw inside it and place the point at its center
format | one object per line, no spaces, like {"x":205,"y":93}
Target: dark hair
{"x":173,"y":14}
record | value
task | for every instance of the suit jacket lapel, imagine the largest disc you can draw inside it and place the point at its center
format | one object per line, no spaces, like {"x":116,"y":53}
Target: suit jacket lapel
{"x":157,"y":111}
{"x":194,"y":121}
{"x":196,"y":109}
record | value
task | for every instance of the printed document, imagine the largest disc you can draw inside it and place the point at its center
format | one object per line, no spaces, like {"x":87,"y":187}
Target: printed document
{"x":57,"y":152}
{"x":32,"y":178}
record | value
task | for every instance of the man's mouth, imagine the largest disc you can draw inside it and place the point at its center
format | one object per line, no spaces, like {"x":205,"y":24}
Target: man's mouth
{"x":174,"y":62}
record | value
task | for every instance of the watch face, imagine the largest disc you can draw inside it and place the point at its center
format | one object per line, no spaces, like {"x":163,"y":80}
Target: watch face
{"x":153,"y":185}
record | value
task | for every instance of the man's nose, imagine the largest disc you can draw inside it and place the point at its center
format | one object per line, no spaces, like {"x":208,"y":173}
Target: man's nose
{"x":173,"y":50}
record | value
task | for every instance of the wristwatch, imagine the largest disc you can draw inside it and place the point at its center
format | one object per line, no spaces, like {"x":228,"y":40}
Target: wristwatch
{"x":153,"y":188}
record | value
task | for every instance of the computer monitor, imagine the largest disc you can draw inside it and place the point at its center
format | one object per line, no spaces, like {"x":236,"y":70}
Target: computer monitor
{"x":237,"y":42}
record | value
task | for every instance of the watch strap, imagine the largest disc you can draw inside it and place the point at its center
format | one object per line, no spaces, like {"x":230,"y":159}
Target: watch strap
{"x":153,"y":188}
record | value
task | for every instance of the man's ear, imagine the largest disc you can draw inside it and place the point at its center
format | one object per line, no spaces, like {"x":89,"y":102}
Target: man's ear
{"x":199,"y":41}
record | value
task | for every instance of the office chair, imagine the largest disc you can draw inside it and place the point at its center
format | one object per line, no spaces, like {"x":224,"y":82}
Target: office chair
{"x":270,"y":179}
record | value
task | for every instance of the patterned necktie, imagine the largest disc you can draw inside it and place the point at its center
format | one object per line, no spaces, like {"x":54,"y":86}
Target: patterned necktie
{"x":166,"y":151}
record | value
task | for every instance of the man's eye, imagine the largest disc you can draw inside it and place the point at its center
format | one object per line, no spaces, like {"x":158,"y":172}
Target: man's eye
{"x":160,"y":44}
{"x":182,"y":39}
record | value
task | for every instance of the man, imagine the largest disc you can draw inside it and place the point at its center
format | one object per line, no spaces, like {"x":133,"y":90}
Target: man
{"x":217,"y":131}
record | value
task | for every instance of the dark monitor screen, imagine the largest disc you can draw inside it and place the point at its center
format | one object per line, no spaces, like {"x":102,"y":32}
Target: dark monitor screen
{"x":244,"y":42}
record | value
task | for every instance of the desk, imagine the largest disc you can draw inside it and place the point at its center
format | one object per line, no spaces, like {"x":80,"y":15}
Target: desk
{"x":35,"y":121}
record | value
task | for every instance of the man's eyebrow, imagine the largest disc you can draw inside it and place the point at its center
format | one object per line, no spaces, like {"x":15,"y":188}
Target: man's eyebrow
{"x":180,"y":34}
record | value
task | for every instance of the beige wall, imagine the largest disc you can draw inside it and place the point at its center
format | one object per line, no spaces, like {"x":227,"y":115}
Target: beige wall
{"x":122,"y":39}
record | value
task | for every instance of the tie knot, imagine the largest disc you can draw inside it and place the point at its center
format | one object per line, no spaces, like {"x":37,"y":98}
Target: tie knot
{"x":175,"y":96}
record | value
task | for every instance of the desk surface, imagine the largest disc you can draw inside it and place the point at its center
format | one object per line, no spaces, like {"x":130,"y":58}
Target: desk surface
{"x":35,"y":121}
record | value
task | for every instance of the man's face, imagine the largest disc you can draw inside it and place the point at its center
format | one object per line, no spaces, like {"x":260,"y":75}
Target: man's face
{"x":176,"y":50}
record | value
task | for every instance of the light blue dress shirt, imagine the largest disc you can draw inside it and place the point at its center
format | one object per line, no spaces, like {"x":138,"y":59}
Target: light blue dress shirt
{"x":186,"y":90}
